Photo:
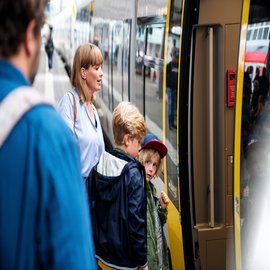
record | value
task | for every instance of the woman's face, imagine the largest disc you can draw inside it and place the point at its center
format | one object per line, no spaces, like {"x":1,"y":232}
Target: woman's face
{"x":93,"y":78}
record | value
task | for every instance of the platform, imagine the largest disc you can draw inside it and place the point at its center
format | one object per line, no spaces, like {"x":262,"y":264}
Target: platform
{"x":52,"y":83}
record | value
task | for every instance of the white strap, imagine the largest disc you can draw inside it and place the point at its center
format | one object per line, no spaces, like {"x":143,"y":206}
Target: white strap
{"x":15,"y":105}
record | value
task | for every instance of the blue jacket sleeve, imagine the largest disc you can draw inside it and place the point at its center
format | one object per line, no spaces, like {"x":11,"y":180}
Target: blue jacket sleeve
{"x":137,"y":216}
{"x":64,"y":231}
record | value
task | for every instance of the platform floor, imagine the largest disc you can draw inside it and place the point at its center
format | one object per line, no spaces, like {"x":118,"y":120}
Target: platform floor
{"x":52,"y":83}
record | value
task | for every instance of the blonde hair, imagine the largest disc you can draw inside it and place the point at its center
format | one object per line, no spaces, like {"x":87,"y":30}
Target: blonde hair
{"x":146,"y":154}
{"x":127,"y":119}
{"x":85,"y":56}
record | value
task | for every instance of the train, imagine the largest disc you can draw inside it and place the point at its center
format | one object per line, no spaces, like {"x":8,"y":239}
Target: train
{"x":217,"y":141}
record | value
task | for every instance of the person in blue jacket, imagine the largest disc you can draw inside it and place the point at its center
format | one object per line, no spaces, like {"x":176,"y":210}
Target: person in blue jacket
{"x":117,"y":195}
{"x":44,"y":220}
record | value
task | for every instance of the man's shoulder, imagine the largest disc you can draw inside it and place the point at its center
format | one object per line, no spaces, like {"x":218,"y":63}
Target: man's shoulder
{"x":44,"y":124}
{"x":46,"y":119}
{"x":24,"y":111}
{"x":41,"y":136}
{"x":51,"y":136}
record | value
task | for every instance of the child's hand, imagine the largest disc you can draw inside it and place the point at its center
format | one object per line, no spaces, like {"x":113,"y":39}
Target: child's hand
{"x":164,"y":200}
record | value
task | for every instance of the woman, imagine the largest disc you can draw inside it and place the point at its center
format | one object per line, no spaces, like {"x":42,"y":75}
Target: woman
{"x":76,"y":106}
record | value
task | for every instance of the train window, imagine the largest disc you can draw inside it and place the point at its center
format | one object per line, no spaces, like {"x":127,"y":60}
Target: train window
{"x":116,"y":63}
{"x":265,"y":32}
{"x":255,"y":34}
{"x":255,"y":142}
{"x":101,"y":39}
{"x":153,"y":68}
{"x":139,"y":56}
{"x":248,"y":34}
{"x":119,"y":62}
{"x":125,"y":59}
{"x":260,"y":34}
{"x":172,"y":94}
{"x":171,"y":117}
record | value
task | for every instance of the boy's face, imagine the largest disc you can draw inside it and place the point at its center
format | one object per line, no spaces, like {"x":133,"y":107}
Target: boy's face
{"x":133,"y":147}
{"x":151,"y":166}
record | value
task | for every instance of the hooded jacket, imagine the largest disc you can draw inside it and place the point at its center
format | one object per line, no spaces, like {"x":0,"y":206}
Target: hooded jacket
{"x":117,"y":195}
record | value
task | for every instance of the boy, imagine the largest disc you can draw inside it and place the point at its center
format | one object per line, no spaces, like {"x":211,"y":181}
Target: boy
{"x":151,"y":153}
{"x":116,"y":188}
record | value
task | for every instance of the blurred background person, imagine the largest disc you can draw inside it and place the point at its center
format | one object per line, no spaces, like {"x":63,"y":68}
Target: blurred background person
{"x":171,"y":89}
{"x":49,"y":48}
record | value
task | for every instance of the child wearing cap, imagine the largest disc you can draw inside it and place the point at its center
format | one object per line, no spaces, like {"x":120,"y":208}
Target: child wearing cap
{"x":150,"y":155}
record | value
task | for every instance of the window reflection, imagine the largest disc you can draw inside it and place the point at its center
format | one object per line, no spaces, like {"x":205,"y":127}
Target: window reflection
{"x":153,"y":73}
{"x":140,"y":47}
{"x":255,"y":171}
{"x":149,"y":57}
{"x":172,"y":70}
{"x":101,"y":39}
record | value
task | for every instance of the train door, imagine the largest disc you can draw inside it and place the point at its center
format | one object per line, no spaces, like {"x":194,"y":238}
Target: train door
{"x":209,"y":48}
{"x":171,"y":116}
{"x":252,"y":144}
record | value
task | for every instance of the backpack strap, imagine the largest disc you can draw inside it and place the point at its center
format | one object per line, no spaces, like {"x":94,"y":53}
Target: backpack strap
{"x":15,"y":105}
{"x":75,"y":107}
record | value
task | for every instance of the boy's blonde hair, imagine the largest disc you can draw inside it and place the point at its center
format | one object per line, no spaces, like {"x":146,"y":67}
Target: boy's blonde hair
{"x":146,"y":154}
{"x":85,"y":56}
{"x":127,"y":119}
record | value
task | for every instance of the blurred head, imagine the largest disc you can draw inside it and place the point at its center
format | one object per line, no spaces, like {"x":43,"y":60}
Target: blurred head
{"x":86,"y":71}
{"x":128,"y":126}
{"x":20,"y":32}
{"x":15,"y":17}
{"x":250,"y":69}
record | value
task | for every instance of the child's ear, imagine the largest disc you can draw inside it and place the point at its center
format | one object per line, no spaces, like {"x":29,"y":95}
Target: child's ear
{"x":126,"y":140}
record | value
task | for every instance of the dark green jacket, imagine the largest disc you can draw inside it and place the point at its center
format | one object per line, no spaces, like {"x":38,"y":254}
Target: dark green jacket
{"x":152,"y":256}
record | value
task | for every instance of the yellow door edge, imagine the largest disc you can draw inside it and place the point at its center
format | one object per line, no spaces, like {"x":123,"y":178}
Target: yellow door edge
{"x":237,"y":138}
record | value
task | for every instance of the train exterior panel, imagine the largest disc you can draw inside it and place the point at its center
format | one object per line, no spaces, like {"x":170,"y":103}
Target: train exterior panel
{"x":207,"y":114}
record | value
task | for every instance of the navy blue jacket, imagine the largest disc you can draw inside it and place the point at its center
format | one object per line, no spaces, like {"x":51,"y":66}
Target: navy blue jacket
{"x":118,"y":198}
